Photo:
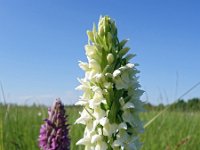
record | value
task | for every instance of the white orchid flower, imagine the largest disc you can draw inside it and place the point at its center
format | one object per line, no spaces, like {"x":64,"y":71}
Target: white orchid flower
{"x":111,"y":95}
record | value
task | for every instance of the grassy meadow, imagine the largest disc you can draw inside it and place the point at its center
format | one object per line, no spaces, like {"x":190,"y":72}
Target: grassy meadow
{"x":173,"y":130}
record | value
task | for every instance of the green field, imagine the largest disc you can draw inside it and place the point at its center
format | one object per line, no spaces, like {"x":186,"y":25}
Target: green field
{"x":19,"y":128}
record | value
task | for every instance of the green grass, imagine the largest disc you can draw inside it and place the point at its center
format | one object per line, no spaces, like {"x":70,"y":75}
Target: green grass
{"x":172,"y":130}
{"x":20,"y":125}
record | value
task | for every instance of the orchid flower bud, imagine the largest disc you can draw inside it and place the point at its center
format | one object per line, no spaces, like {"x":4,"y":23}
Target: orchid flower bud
{"x":110,"y":58}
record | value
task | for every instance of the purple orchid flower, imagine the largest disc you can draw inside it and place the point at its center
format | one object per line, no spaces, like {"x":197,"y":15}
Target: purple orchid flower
{"x":54,"y":132}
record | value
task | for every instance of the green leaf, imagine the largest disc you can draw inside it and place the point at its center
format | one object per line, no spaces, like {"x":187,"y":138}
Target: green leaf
{"x":129,"y":57}
{"x":115,"y":108}
{"x":123,"y":42}
{"x":123,"y":51}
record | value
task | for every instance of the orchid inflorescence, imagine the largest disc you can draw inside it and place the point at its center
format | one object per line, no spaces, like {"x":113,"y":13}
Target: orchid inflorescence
{"x":111,"y":99}
{"x":54,"y":132}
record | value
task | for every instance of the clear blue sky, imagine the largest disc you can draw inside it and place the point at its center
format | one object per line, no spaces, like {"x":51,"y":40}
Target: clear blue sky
{"x":41,"y":42}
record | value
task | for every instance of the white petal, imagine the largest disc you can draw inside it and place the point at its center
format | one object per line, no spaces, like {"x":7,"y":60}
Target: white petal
{"x":101,"y":146}
{"x":128,"y":105}
{"x":116,"y":73}
{"x":129,"y":117}
{"x":83,"y":118}
{"x":125,"y":77}
{"x":104,"y":121}
{"x":90,"y":74}
{"x":83,"y":141}
{"x":131,"y":146}
{"x":116,"y":143}
{"x":90,"y":50}
{"x":96,"y":100}
{"x":123,"y":68}
{"x":81,"y":102}
{"x":109,"y":129}
{"x":121,"y":101}
{"x":89,"y":147}
{"x":130,"y":65}
{"x":93,"y":64}
{"x":99,"y":113}
{"x":123,"y":136}
{"x":120,"y":84}
{"x":83,"y":65}
{"x":108,"y":85}
{"x":80,"y":87}
{"x":97,"y":89}
{"x":99,"y":77}
{"x":96,"y":138}
{"x":90,"y":128}
{"x":123,"y":125}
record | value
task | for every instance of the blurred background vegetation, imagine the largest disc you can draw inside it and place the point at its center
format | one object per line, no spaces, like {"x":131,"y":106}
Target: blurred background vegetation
{"x":176,"y":128}
{"x":179,"y":105}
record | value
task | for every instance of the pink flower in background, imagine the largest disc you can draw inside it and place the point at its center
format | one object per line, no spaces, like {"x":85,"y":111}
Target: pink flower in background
{"x":54,"y":132}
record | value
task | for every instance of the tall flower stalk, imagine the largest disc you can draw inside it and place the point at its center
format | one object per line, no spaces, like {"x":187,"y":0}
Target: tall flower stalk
{"x":54,"y":132}
{"x":111,"y":98}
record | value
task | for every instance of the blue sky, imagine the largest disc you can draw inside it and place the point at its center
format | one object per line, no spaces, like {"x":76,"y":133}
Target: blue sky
{"x":41,"y":43}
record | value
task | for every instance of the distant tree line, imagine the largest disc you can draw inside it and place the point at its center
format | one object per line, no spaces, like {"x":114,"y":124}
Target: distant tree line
{"x":179,"y":105}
